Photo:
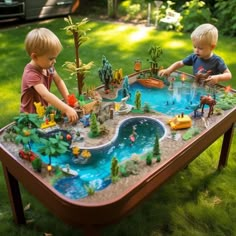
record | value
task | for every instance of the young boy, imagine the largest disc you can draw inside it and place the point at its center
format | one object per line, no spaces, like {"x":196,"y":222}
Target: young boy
{"x":43,"y":47}
{"x":206,"y":65}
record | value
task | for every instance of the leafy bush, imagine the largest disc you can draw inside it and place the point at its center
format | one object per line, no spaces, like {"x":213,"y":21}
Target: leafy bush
{"x":132,"y":9}
{"x":225,"y":12}
{"x":195,"y":13}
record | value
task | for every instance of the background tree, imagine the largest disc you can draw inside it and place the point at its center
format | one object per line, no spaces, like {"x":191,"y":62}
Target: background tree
{"x":112,"y":8}
{"x":194,"y":13}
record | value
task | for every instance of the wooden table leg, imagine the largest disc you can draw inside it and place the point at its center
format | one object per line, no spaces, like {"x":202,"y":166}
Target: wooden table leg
{"x":225,"y":148}
{"x":14,"y":196}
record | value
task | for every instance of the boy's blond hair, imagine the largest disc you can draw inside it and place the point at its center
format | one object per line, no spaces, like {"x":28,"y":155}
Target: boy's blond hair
{"x":41,"y":41}
{"x":207,"y":33}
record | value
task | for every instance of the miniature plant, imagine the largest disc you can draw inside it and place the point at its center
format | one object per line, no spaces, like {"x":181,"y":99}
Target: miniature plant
{"x":193,"y":131}
{"x":89,"y":189}
{"x":125,"y":87}
{"x":10,"y":135}
{"x":123,"y":171}
{"x":51,"y":109}
{"x":78,"y":30}
{"x":130,"y":167}
{"x":26,"y":136}
{"x":53,"y":146}
{"x":227,"y":101}
{"x":156,"y":147}
{"x":146,"y":107}
{"x":105,"y":74}
{"x":138,"y":100}
{"x":94,"y":128}
{"x":28,"y":120}
{"x":155,"y":53}
{"x":37,"y":164}
{"x":149,"y":159}
{"x":114,"y":170}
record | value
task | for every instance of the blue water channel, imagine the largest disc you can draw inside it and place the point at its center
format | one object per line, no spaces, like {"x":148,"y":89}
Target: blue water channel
{"x":181,"y":99}
{"x":96,"y":172}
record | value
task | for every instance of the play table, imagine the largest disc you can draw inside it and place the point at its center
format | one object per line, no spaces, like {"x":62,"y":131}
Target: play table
{"x":90,"y":217}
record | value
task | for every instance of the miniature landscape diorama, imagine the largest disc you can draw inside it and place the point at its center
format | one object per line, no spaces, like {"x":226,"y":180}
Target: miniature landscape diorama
{"x":129,"y":124}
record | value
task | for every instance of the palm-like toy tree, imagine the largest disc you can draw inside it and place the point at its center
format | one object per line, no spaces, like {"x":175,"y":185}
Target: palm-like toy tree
{"x":53,"y":146}
{"x":26,"y":136}
{"x":78,"y":30}
{"x":155,"y":53}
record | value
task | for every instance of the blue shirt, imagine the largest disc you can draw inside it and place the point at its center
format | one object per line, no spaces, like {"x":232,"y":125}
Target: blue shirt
{"x":215,"y":64}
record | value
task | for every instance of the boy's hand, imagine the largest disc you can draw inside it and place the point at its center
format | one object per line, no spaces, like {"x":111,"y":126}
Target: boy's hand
{"x":164,"y":72}
{"x":211,"y":80}
{"x":71,"y":115}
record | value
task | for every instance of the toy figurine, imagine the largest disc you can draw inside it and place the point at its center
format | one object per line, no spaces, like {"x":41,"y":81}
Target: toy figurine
{"x":85,"y":120}
{"x":209,"y":101}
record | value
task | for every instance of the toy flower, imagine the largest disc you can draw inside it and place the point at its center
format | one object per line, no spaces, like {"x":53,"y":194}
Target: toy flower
{"x":86,"y":154}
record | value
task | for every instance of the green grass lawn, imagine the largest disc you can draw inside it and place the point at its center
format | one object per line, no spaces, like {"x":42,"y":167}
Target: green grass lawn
{"x":197,"y":201}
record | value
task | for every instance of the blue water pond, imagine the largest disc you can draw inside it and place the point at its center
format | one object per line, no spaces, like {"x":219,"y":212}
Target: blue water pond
{"x":96,"y":172}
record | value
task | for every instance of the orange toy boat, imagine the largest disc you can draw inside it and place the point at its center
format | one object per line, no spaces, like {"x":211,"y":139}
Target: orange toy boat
{"x":151,"y":83}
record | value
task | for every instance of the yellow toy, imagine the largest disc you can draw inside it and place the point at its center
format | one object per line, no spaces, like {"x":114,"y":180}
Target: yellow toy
{"x":180,"y":122}
{"x":40,"y":110}
{"x":49,"y":123}
{"x":75,"y":151}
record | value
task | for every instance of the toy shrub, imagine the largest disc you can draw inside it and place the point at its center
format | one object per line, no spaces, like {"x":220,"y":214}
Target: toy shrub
{"x":114,"y":170}
{"x":37,"y":164}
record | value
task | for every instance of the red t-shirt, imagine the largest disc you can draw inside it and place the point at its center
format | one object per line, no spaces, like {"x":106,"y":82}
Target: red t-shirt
{"x":31,"y":77}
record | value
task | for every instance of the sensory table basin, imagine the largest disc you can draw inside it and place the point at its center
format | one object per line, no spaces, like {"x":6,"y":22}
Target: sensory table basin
{"x":91,"y":216}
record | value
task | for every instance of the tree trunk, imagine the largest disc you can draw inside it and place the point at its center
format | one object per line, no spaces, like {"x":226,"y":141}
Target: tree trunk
{"x":112,"y":8}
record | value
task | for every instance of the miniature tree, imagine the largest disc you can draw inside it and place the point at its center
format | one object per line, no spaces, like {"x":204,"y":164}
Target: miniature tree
{"x":37,"y":164}
{"x":78,"y":30}
{"x":156,"y":148}
{"x":30,"y":120}
{"x":105,"y":74}
{"x":138,"y":100}
{"x":53,"y":146}
{"x":125,"y":87}
{"x":26,"y":136}
{"x":149,"y":159}
{"x":94,"y":129}
{"x":114,"y":170}
{"x":155,"y":53}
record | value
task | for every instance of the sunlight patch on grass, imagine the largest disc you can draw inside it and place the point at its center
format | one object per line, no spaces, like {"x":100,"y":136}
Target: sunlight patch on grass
{"x":174,"y":44}
{"x":140,"y":34}
{"x":10,"y":101}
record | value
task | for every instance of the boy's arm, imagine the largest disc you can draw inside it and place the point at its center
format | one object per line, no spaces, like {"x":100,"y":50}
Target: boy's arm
{"x":214,"y":79}
{"x":56,"y":102}
{"x":61,"y":86}
{"x":175,"y":66}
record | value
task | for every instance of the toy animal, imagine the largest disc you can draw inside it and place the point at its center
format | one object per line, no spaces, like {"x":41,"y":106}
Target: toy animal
{"x":210,"y":102}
